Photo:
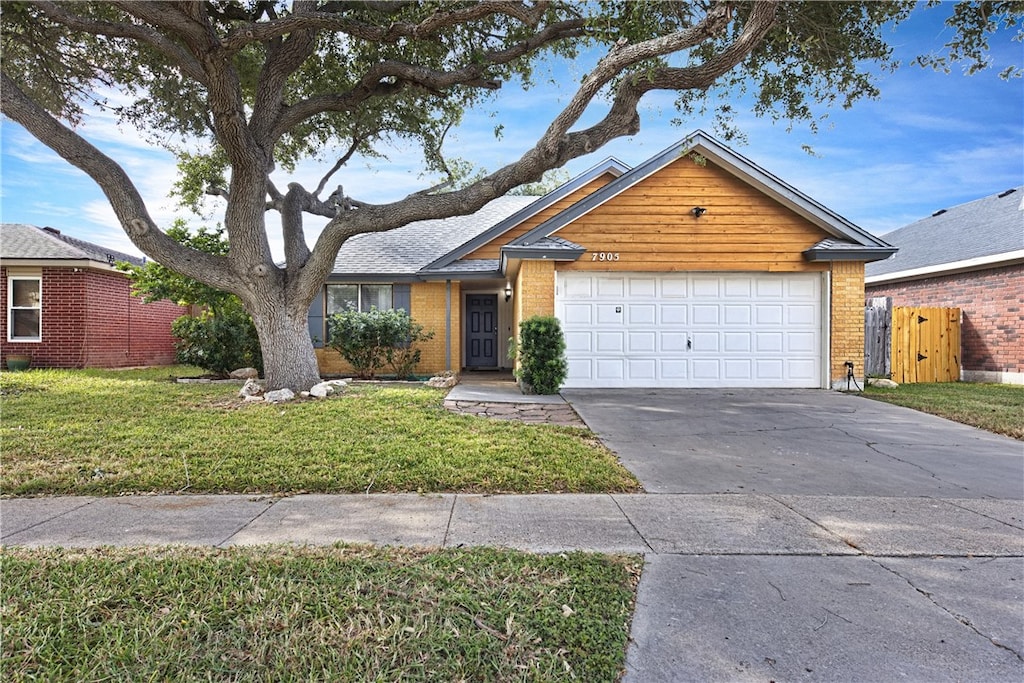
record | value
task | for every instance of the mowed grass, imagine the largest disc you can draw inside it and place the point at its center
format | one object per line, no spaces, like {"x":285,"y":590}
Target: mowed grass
{"x":114,"y":432}
{"x":327,"y":614}
{"x":996,"y":408}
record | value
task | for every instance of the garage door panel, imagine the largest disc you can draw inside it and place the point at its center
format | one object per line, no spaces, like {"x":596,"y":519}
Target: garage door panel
{"x":736,"y":342}
{"x":737,"y":314}
{"x":643,"y":369}
{"x":610,"y":369}
{"x":705,"y":314}
{"x":643,"y":342}
{"x":674,"y":288}
{"x":738,"y":369}
{"x":610,"y":342}
{"x":673,"y":314}
{"x":692,"y":329}
{"x":643,"y":287}
{"x":643,"y":314}
{"x":578,"y":342}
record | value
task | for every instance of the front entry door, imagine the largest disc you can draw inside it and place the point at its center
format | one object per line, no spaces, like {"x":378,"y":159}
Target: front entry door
{"x":482,"y":331}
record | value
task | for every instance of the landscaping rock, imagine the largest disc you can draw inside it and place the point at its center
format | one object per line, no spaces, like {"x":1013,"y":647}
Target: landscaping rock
{"x":251,"y":399}
{"x":251,"y":388}
{"x":325,"y":389}
{"x":244,"y":373}
{"x":279,"y":396}
{"x":445,"y":380}
{"x":882,"y":382}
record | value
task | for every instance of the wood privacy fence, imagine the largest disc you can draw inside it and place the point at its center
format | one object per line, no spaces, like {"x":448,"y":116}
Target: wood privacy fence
{"x":911,"y":344}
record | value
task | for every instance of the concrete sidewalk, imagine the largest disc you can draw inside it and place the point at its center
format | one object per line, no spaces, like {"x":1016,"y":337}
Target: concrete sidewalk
{"x":735,"y":586}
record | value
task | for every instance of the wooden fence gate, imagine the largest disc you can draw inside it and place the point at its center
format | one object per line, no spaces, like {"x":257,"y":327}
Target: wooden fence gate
{"x":911,"y":344}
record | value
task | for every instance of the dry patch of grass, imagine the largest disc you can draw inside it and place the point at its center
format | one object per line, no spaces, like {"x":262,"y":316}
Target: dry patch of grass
{"x":342,"y":613}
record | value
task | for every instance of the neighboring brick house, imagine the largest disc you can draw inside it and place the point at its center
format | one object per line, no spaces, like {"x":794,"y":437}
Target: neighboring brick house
{"x":696,"y":268}
{"x":970,"y":257}
{"x":68,"y":307}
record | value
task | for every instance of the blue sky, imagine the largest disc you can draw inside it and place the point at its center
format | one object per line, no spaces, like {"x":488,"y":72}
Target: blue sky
{"x":931,"y":141}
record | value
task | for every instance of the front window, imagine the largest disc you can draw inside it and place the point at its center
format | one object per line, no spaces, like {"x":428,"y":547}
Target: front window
{"x":341,"y":298}
{"x":24,"y":309}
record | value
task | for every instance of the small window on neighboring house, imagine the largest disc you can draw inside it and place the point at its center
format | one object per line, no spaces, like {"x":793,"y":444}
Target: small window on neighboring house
{"x":360,"y":297}
{"x":24,"y":309}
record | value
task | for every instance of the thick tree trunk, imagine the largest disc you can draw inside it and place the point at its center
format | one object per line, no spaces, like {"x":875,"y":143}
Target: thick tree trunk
{"x":289,"y":360}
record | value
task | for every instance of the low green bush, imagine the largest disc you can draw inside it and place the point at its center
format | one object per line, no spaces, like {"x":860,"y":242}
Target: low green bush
{"x":541,"y":350}
{"x":218,"y":343}
{"x":372,"y":339}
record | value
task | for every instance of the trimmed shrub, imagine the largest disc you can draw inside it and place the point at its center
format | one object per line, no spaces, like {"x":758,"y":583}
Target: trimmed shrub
{"x":218,"y":343}
{"x":369,"y":340}
{"x":541,"y":350}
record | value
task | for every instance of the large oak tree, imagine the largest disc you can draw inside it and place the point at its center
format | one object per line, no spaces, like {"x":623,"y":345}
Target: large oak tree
{"x":264,"y":84}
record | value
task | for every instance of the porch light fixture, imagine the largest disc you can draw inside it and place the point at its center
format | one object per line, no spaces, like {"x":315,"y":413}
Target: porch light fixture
{"x":698,"y":211}
{"x":508,"y":291}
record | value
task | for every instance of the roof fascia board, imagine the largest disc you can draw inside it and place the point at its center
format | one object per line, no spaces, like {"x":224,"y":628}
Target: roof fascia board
{"x":58,"y":263}
{"x":739,"y":166}
{"x":513,"y":251}
{"x":369,"y":278}
{"x":440,"y":275}
{"x":609,"y":165}
{"x":867,"y":254}
{"x":1008,"y":258}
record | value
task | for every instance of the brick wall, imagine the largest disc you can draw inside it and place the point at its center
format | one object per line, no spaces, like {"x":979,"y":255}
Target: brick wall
{"x":992,"y":329}
{"x":90,"y":319}
{"x":847,"y":319}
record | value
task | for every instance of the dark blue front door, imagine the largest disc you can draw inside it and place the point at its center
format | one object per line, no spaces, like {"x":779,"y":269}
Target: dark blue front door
{"x":482,"y":330}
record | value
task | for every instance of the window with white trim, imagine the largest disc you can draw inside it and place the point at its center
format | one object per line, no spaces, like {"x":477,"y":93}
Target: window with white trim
{"x":341,"y":298}
{"x":24,"y":309}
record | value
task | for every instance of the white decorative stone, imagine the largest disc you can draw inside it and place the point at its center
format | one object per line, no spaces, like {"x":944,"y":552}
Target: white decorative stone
{"x":882,"y":382}
{"x":279,"y":396}
{"x":445,"y":380}
{"x":252,"y":399}
{"x":251,"y":388}
{"x":244,"y":373}
{"x":325,"y":389}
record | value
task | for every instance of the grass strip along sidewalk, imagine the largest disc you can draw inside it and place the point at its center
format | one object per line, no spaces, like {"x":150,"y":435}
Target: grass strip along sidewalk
{"x":115,"y":432}
{"x":344,"y":613}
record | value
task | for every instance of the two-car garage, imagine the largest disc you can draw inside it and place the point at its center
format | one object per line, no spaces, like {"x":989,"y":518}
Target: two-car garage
{"x":698,"y":329}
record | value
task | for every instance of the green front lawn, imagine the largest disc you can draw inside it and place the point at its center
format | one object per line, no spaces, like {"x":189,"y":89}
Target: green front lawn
{"x":112,"y":432}
{"x":335,"y":614}
{"x":996,"y":408}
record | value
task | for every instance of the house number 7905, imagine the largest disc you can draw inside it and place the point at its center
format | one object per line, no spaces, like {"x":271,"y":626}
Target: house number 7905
{"x":604,"y":256}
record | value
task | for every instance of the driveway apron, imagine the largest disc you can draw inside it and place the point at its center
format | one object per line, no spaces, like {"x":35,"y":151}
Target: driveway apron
{"x":929,"y":515}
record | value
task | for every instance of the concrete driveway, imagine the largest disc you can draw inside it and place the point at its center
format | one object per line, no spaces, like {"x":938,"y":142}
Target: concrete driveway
{"x":802,"y":442}
{"x":922,"y":591}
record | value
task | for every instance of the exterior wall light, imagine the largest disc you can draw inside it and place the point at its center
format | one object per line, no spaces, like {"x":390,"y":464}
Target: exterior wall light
{"x":508,"y":291}
{"x":698,"y":211}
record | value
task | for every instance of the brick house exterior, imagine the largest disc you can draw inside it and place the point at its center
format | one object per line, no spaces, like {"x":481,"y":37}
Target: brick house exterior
{"x":696,"y":268}
{"x":80,"y":312}
{"x":969,"y":257}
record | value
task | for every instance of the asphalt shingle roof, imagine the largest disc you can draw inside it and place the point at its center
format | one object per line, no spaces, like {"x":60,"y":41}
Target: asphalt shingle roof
{"x":985,"y":227}
{"x":407,"y":250}
{"x":20,"y":241}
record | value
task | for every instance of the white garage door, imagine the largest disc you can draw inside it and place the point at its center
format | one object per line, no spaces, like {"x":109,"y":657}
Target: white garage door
{"x":692,"y":329}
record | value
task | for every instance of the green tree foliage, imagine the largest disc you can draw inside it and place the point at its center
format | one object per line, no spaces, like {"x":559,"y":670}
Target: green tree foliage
{"x":369,"y":340}
{"x":155,"y":282}
{"x":239,"y":88}
{"x":541,"y":350}
{"x":222,"y":337}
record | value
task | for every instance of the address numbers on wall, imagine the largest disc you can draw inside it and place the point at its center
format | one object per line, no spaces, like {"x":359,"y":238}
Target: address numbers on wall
{"x":604,"y":256}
